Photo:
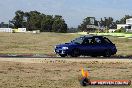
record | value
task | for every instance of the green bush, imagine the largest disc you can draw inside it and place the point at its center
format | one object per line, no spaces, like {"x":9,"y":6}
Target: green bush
{"x":121,"y":30}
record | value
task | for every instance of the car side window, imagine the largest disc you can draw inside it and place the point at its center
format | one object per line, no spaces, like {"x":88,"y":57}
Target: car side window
{"x":97,"y":41}
{"x":87,"y":41}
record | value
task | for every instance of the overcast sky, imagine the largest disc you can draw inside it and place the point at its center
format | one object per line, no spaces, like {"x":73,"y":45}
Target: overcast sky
{"x":73,"y":11}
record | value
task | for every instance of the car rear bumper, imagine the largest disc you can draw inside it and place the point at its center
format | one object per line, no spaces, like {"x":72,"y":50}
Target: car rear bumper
{"x":114,"y":51}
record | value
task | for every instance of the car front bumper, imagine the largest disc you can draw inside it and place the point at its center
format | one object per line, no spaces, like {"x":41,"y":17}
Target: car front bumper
{"x":61,"y":51}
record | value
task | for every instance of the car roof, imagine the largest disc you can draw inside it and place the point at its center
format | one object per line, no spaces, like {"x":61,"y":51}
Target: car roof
{"x":89,"y":36}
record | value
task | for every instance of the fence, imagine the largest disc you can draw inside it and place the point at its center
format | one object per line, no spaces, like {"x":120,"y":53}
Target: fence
{"x":11,"y":30}
{"x":5,"y":29}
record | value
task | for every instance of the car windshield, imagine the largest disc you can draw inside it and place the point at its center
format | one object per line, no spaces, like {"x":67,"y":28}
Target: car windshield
{"x":78,"y":40}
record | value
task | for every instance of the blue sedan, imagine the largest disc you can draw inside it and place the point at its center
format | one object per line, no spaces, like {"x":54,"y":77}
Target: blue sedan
{"x":87,"y":46}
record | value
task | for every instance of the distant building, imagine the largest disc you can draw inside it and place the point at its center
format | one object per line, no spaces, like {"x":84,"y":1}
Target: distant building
{"x":127,"y":26}
{"x":3,"y":25}
{"x":111,"y":30}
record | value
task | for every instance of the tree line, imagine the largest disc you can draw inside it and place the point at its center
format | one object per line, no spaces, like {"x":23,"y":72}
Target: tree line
{"x":106,"y":23}
{"x":35,"y":20}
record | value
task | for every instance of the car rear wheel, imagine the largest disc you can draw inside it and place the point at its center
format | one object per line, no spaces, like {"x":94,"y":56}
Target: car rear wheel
{"x":94,"y":55}
{"x":75,"y":53}
{"x":107,"y":53}
{"x":63,"y":55}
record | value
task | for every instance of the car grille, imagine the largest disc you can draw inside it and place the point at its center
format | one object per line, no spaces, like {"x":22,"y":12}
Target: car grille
{"x":58,"y":47}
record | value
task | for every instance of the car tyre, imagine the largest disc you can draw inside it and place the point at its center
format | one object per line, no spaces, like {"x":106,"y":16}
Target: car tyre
{"x":75,"y":53}
{"x":107,"y":53}
{"x":94,"y":55}
{"x":63,"y":55}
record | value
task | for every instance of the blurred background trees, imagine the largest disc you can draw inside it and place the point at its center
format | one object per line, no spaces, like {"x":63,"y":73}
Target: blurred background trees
{"x":102,"y":24}
{"x":35,"y":20}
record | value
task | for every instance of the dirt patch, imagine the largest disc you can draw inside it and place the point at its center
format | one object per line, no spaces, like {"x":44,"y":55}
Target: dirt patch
{"x":59,"y":73}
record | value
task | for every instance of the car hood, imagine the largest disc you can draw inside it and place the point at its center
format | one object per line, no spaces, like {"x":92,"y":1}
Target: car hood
{"x":66,"y":45}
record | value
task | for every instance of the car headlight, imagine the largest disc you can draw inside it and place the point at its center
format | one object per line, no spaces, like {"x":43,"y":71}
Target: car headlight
{"x":64,"y":48}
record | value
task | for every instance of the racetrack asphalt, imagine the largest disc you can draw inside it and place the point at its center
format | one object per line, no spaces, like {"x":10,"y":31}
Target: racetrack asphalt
{"x":55,"y":56}
{"x":65,"y":60}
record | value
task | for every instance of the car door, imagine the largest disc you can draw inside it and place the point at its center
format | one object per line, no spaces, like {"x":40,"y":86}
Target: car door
{"x":87,"y":46}
{"x":98,"y":47}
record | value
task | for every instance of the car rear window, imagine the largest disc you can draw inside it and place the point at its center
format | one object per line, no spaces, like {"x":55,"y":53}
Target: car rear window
{"x":107,"y":40}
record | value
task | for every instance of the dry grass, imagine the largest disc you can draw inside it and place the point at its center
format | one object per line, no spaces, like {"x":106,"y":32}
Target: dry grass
{"x":32,"y":43}
{"x":124,"y":45}
{"x":44,"y":43}
{"x":59,"y":73}
{"x":48,"y":73}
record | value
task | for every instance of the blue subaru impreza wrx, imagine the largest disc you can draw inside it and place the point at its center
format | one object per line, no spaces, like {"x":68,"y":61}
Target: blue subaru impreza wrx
{"x":87,"y":46}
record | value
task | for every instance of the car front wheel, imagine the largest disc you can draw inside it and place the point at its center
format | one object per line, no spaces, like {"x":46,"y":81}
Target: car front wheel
{"x":75,"y":53}
{"x":63,"y":55}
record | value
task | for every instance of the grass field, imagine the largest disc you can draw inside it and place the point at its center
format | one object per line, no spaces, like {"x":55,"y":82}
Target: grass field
{"x":54,"y":73}
{"x":57,"y":72}
{"x":43,"y":43}
{"x":31,"y":43}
